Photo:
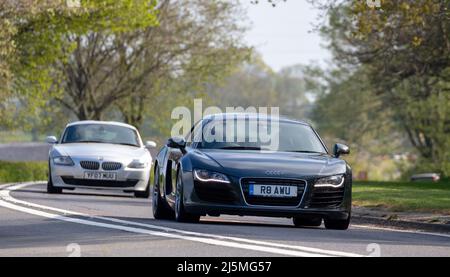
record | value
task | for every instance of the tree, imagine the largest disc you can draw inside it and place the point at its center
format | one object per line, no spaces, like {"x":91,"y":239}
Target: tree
{"x":36,"y":34}
{"x":255,"y":84}
{"x":195,"y":42}
{"x":272,"y":2}
{"x":404,"y":47}
{"x":12,"y":15}
{"x":348,"y":110}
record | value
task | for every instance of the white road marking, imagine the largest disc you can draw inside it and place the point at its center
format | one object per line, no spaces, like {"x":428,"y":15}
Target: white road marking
{"x":7,"y":201}
{"x":5,"y":185}
{"x":160,"y":234}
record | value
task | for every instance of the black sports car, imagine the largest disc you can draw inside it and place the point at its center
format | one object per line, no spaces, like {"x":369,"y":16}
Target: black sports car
{"x":296,"y":177}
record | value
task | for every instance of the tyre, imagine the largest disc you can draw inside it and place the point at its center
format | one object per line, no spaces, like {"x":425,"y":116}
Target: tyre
{"x":180,"y":213}
{"x":143,"y":194}
{"x":160,"y":208}
{"x":50,"y":188}
{"x":337,"y":224}
{"x":307,"y":222}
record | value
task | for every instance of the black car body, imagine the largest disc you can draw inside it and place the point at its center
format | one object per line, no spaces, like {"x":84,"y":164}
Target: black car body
{"x":193,"y":181}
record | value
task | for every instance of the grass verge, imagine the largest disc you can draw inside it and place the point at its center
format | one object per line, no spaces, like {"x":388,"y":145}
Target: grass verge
{"x":403,"y":196}
{"x":11,"y":172}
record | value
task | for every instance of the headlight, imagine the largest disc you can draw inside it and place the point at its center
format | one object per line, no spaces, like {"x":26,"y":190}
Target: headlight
{"x":63,"y":160}
{"x":209,"y":176}
{"x":138,"y":164}
{"x":336,"y":181}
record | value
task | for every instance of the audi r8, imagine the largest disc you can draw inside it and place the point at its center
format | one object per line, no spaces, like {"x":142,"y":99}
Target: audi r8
{"x":249,"y":164}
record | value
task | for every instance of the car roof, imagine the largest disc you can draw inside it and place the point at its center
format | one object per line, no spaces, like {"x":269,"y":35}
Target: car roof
{"x":114,"y":123}
{"x":252,"y":116}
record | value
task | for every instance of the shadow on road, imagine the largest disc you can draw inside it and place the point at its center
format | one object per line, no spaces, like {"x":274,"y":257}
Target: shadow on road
{"x":76,"y":193}
{"x":208,"y":221}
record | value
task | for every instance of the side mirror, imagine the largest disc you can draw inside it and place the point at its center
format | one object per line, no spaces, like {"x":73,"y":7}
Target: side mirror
{"x":340,"y":149}
{"x":177,"y":142}
{"x":150,"y":144}
{"x":51,"y":140}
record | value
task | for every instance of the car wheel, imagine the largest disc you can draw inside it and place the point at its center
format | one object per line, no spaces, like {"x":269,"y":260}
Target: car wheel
{"x":50,"y":188}
{"x":180,"y":213}
{"x":143,"y":194}
{"x":337,"y":224}
{"x":159,"y":206}
{"x":307,"y":222}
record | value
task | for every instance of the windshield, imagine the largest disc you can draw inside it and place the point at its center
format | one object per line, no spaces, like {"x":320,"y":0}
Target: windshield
{"x":101,"y":133}
{"x":253,"y":134}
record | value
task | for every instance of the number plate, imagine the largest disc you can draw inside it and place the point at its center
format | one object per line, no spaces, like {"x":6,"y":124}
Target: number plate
{"x":100,"y":176}
{"x":273,"y":191}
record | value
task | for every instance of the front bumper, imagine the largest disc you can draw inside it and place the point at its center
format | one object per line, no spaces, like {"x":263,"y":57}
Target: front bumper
{"x":232,"y":200}
{"x":71,"y":177}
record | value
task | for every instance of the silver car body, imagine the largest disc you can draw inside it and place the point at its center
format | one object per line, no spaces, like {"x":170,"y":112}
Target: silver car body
{"x":127,"y":179}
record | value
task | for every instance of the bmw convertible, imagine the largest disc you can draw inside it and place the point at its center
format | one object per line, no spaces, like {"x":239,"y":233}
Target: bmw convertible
{"x":100,"y":155}
{"x":225,"y":166}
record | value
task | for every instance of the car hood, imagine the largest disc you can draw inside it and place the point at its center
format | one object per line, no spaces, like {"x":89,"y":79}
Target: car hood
{"x":275,"y":164}
{"x":96,"y":150}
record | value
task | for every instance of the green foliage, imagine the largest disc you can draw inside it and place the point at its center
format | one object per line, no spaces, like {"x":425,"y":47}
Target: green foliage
{"x":404,"y":196}
{"x":131,"y":75}
{"x":35,"y":34}
{"x":205,"y":47}
{"x":254,"y":84}
{"x":17,"y":136}
{"x":404,"y":52}
{"x":11,"y":172}
{"x":348,"y":110}
{"x":120,"y":60}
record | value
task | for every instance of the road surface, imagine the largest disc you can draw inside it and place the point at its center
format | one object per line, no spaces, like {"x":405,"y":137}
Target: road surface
{"x":102,"y":223}
{"x":25,"y":151}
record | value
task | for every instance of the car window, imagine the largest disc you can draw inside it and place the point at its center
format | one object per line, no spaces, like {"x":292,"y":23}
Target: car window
{"x":253,"y":134}
{"x":194,"y":134}
{"x":101,"y":133}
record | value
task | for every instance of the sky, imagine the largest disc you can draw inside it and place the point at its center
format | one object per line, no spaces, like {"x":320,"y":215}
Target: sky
{"x":284,"y":34}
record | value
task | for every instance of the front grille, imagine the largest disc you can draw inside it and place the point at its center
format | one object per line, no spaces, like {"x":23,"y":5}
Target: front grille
{"x":218,"y":193}
{"x":326,"y":197}
{"x":90,"y":165}
{"x":110,"y":166}
{"x":273,"y":201}
{"x":99,"y":183}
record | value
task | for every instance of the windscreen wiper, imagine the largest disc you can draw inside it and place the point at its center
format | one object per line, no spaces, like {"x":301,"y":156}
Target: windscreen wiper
{"x":241,"y":148}
{"x":86,"y":141}
{"x":307,"y":151}
{"x":128,"y":144}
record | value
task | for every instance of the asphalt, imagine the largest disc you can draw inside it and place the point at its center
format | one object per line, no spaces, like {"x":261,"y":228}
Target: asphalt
{"x":34,"y":223}
{"x":24,"y":151}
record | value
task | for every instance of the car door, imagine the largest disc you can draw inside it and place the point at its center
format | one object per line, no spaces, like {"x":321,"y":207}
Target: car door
{"x":173,"y":158}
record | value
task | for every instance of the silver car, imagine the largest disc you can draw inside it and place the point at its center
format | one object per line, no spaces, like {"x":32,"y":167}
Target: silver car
{"x":100,"y":155}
